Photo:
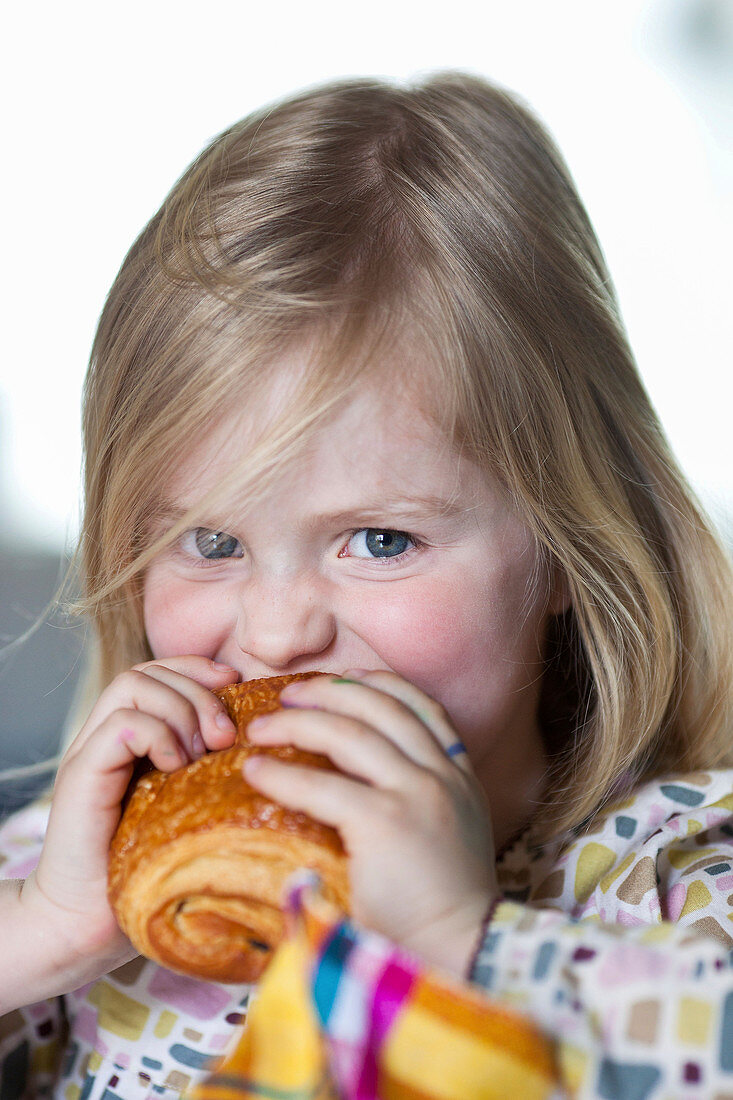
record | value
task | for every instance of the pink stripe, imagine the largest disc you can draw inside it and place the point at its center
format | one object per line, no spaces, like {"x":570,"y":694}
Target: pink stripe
{"x":391,"y":992}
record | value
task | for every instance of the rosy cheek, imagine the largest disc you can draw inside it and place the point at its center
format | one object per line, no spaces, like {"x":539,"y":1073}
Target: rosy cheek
{"x":422,"y":636}
{"x":469,"y":646}
{"x":177,"y":621}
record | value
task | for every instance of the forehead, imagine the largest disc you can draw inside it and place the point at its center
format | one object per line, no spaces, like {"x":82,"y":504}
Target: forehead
{"x":370,"y":430}
{"x":376,"y":438}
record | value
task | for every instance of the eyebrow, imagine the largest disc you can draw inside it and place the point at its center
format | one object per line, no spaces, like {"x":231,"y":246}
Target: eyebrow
{"x":404,"y":511}
{"x":410,"y":510}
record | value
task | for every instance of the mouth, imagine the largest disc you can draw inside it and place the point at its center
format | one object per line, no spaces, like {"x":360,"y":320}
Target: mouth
{"x":261,"y":673}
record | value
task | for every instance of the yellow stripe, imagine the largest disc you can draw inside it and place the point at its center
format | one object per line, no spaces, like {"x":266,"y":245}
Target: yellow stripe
{"x":449,"y":1064}
{"x":681,"y":858}
{"x":698,"y":896}
{"x":493,"y":1024}
{"x":280,"y":1019}
{"x":608,"y":880}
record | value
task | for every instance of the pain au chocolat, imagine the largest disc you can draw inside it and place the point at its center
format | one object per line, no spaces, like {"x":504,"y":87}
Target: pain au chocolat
{"x":200,"y":860}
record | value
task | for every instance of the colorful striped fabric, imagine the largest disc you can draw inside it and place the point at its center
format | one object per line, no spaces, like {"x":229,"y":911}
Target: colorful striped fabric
{"x":341,"y":1013}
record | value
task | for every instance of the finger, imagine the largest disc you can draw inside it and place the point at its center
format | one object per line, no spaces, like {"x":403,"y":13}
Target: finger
{"x":374,"y":707}
{"x":98,"y":773}
{"x":354,"y":747}
{"x":212,"y":719}
{"x":336,"y":800}
{"x":91,"y":783}
{"x":199,"y":718}
{"x":146,"y":693}
{"x":432,"y":713}
{"x":210,"y":674}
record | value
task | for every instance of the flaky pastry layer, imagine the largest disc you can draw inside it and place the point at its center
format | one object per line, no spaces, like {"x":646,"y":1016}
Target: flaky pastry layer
{"x":199,"y":862}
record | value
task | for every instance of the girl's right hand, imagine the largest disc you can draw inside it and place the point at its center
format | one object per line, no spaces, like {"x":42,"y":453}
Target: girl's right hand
{"x":163,"y":710}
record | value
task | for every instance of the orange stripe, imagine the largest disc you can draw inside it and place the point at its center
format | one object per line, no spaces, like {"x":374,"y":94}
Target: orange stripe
{"x":391,"y":1088}
{"x":490,"y":1022}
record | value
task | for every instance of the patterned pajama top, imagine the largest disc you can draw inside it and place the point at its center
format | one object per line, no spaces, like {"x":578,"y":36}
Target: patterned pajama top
{"x":616,"y":941}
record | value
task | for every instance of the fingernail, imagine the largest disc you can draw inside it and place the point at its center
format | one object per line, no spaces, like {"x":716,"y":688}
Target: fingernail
{"x":222,"y":668}
{"x":354,"y":674}
{"x":294,"y":689}
{"x":197,"y":744}
{"x":178,"y":755}
{"x":258,"y":722}
{"x":224,"y":722}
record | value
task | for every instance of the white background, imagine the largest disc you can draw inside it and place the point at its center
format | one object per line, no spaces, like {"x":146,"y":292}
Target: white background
{"x":104,"y":105}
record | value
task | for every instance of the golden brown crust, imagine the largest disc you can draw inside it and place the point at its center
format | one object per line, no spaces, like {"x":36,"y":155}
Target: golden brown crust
{"x":199,"y":860}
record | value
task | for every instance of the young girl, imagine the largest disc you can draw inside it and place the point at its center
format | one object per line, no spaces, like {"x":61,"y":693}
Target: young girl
{"x":360,"y":401}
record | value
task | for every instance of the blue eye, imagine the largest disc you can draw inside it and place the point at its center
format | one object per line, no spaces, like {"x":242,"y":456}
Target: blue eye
{"x":376,"y":542}
{"x":214,"y":545}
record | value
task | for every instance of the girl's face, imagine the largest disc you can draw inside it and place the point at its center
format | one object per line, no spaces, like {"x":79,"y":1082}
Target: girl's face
{"x":379,"y":548}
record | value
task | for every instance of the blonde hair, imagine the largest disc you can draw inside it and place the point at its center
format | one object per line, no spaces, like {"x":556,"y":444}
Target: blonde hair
{"x":441,"y":214}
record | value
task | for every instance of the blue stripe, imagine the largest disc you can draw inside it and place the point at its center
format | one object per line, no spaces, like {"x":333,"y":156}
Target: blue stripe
{"x":726,"y":1035}
{"x":627,"y":1080}
{"x":330,"y":969}
{"x":87,"y":1086}
{"x":543,"y":960}
{"x":194,"y":1059}
{"x":682,"y":794}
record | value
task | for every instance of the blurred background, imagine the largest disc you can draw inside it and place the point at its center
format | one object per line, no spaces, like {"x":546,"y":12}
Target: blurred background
{"x":103,"y":107}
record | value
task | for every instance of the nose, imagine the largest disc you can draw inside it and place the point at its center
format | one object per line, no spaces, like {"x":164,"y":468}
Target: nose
{"x":283,"y":624}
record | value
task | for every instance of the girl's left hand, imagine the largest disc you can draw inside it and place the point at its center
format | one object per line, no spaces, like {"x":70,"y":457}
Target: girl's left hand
{"x":414,"y":820}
